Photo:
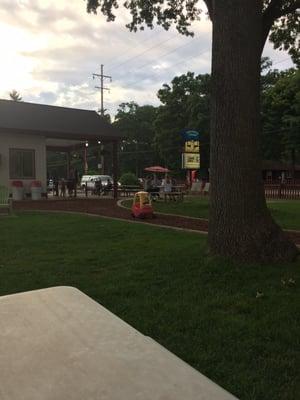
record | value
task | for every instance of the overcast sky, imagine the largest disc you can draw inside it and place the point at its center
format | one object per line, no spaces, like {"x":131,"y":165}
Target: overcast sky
{"x":50,"y":48}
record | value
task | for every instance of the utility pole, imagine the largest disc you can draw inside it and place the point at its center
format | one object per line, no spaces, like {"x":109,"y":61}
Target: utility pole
{"x":102,"y":88}
{"x":101,"y":76}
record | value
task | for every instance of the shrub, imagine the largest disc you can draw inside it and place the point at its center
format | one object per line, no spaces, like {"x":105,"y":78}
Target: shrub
{"x":129,"y":179}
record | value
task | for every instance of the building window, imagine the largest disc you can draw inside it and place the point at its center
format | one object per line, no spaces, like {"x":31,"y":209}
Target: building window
{"x":21,"y":164}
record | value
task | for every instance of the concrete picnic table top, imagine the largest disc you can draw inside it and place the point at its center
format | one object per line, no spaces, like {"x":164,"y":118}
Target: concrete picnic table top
{"x":58,"y":344}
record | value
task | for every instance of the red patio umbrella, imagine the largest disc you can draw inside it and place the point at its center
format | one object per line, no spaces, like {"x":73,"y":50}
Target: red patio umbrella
{"x":157,"y":169}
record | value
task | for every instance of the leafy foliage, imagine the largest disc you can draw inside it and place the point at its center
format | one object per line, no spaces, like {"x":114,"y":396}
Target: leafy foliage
{"x":268,"y":75}
{"x":153,"y":134}
{"x":185,"y":104}
{"x":281,"y":117}
{"x":15,"y":96}
{"x":148,"y":13}
{"x":136,"y":124}
{"x":128,"y":178}
{"x":286,"y":28}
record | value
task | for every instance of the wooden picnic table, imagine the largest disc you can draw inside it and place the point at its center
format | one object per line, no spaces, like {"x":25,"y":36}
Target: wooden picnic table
{"x":129,"y":190}
{"x":177,"y":193}
{"x":173,"y":196}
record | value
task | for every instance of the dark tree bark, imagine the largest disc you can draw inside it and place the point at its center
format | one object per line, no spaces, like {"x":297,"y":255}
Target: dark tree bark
{"x":240,"y":225}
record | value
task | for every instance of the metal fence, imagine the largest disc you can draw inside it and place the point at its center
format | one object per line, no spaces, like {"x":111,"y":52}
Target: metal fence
{"x":282,"y":191}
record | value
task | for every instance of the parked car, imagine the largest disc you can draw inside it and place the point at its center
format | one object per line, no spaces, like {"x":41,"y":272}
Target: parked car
{"x":89,"y":181}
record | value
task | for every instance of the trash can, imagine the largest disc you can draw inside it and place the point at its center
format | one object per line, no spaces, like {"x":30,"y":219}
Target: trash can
{"x":17,"y":190}
{"x":36,"y":190}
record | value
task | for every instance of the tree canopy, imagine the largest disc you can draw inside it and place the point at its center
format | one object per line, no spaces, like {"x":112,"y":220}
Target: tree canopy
{"x":185,"y":105}
{"x":136,"y":124}
{"x":281,"y":117}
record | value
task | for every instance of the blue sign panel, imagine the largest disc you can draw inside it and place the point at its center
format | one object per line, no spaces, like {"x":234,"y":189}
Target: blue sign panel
{"x":188,"y":134}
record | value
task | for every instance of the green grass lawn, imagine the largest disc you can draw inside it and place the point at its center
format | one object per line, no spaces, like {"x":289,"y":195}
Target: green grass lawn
{"x":285,"y":212}
{"x":163,"y":283}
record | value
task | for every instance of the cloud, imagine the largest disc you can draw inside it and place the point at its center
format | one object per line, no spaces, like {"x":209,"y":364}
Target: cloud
{"x":50,"y":49}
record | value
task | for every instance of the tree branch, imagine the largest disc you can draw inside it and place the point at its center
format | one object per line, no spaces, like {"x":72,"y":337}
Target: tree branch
{"x":209,"y":5}
{"x":275,"y":10}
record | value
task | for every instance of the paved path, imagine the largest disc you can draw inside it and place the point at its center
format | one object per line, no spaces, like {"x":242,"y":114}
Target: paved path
{"x":110,"y":208}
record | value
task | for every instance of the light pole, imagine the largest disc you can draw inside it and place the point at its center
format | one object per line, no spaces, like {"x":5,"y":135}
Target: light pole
{"x":136,"y":158}
{"x":85,"y":158}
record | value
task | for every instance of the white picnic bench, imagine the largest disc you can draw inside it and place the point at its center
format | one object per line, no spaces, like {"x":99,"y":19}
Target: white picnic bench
{"x":206,"y":188}
{"x":58,"y":344}
{"x":198,"y":188}
{"x":5,"y":201}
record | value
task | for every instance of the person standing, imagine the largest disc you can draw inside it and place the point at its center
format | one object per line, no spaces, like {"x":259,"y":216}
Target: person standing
{"x":63,"y":188}
{"x":56,"y":186}
{"x":108,"y":187}
{"x":147,"y":184}
{"x":168,"y":185}
{"x":98,"y":187}
{"x":71,"y":182}
{"x":167,"y":188}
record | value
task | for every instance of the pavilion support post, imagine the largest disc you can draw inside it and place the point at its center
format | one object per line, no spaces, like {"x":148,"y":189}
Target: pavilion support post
{"x":115,"y":169}
{"x":68,"y":163}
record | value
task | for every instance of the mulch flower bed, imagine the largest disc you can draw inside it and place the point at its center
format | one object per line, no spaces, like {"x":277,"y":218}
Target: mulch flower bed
{"x":109,"y":208}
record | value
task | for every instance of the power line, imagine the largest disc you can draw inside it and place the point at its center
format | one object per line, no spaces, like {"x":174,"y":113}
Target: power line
{"x":127,"y":48}
{"x":169,"y":52}
{"x":115,"y":65}
{"x":143,"y":52}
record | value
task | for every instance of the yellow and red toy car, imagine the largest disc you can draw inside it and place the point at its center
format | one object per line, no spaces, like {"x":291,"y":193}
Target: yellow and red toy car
{"x":142,"y":206}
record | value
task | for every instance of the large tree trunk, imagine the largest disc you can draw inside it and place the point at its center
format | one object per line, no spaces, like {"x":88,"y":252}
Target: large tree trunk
{"x":240,"y":224}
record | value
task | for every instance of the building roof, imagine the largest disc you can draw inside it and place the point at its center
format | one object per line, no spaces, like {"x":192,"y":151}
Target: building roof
{"x":56,"y":122}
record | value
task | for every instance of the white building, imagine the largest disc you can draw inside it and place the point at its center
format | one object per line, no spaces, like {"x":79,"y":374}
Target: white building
{"x":28,"y":130}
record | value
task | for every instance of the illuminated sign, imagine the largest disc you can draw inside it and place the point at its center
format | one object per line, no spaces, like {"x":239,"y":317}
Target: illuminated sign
{"x":191,"y":149}
{"x":189,"y":134}
{"x":192,"y":146}
{"x":190,"y":160}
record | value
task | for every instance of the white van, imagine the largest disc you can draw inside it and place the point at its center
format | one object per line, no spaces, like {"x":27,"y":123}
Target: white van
{"x":85,"y":179}
{"x":89,"y":180}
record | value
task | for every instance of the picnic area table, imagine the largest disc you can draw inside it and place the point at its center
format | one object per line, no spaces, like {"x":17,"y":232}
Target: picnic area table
{"x":5,"y":201}
{"x":58,"y":344}
{"x":177,"y":193}
{"x":129,"y":190}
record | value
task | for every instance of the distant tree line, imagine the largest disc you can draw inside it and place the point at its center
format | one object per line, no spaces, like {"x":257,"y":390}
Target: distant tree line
{"x":153,"y":133}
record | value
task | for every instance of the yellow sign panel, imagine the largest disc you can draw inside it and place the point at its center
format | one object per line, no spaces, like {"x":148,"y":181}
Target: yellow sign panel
{"x":190,"y":160}
{"x":192,"y":146}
